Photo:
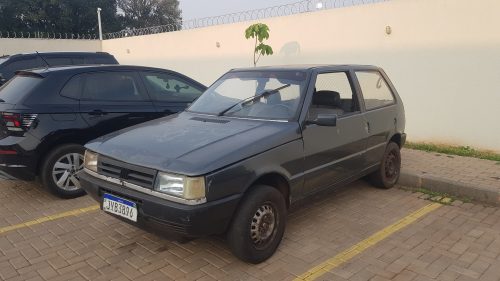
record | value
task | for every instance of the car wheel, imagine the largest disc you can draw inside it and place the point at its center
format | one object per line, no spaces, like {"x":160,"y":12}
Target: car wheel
{"x":390,"y":168}
{"x":258,"y":225}
{"x":59,"y":171}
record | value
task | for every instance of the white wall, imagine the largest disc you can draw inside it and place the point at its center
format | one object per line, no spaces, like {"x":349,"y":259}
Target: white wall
{"x":15,"y":46}
{"x":443,"y":56}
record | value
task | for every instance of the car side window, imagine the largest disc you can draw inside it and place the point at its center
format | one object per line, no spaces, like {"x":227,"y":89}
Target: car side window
{"x":56,"y":61}
{"x":333,"y":94}
{"x":376,"y":92}
{"x":73,"y":87}
{"x":77,"y":60}
{"x":168,"y":87}
{"x":98,"y":60}
{"x":111,"y":86}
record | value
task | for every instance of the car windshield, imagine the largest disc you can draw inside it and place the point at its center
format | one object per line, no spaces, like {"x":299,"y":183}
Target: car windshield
{"x":277,"y":95}
{"x":3,"y":59}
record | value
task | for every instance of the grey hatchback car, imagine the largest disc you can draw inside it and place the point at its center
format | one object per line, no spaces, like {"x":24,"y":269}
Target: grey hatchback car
{"x":256,"y":142}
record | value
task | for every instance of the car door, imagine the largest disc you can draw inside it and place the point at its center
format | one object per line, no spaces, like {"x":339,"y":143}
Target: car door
{"x":112,"y":100}
{"x":170,"y":92}
{"x":381,"y":112}
{"x":333,"y":153}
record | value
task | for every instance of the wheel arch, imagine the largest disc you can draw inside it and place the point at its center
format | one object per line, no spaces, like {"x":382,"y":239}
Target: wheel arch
{"x":397,"y":138}
{"x":275,"y":180}
{"x":52,"y":143}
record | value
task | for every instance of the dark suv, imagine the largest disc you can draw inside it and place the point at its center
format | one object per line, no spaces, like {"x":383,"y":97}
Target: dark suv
{"x":10,"y":64}
{"x":257,"y":141}
{"x":46,"y":115}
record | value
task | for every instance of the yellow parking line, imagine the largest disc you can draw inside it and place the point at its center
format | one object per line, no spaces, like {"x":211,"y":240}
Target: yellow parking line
{"x":74,"y":212}
{"x":357,"y":249}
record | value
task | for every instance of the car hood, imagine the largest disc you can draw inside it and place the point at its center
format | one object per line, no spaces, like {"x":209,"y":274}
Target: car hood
{"x":193,"y":144}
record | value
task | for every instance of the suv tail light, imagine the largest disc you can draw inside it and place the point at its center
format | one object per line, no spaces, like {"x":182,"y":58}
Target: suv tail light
{"x":17,"y":122}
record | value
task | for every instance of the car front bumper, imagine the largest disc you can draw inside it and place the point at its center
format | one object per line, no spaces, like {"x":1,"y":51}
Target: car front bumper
{"x":166,"y":216}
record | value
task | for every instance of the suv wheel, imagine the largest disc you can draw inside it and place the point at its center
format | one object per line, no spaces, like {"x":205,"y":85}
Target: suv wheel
{"x":388,"y":173}
{"x":258,"y":225}
{"x":60,"y":168}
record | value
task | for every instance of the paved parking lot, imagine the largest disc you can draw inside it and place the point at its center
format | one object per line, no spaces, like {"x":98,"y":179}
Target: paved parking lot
{"x":46,"y":238}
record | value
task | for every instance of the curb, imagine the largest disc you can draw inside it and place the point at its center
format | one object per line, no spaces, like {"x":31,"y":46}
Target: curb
{"x":481,"y":193}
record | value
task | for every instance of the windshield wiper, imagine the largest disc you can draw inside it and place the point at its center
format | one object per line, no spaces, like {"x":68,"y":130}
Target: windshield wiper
{"x":254,"y":98}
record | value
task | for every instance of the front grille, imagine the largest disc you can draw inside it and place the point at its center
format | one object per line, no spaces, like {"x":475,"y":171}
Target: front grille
{"x":144,"y":177}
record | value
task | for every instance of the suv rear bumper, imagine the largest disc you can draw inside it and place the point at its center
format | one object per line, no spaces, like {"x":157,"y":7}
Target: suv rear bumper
{"x":166,"y":216}
{"x":19,"y":165}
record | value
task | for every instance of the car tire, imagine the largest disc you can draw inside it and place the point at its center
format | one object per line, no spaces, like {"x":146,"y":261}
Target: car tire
{"x":258,"y":225}
{"x":58,"y":171}
{"x":390,"y":168}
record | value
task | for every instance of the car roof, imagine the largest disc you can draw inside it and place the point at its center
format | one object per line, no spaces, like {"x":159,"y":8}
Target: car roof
{"x":49,"y":54}
{"x":76,"y":69}
{"x":308,"y":67}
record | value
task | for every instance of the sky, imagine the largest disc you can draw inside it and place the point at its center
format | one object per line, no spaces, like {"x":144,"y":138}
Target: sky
{"x":192,"y":9}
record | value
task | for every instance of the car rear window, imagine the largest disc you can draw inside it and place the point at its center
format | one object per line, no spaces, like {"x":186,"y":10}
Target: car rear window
{"x":18,"y":87}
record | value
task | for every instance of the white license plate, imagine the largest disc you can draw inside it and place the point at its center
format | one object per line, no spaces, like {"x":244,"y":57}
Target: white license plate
{"x":119,"y":206}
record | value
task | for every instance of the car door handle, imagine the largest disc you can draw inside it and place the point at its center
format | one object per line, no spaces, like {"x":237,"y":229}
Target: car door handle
{"x":97,"y":112}
{"x":367,"y":127}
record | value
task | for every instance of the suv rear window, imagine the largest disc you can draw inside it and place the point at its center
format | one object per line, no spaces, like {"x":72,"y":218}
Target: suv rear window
{"x":18,"y":87}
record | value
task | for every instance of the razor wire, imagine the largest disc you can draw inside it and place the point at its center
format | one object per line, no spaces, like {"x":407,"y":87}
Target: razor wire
{"x":46,"y":35}
{"x":304,"y":6}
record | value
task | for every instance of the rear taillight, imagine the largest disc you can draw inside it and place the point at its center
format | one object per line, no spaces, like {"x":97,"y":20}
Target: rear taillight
{"x":17,"y":122}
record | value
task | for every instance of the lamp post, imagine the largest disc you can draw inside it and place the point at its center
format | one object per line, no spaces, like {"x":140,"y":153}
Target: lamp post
{"x":99,"y":22}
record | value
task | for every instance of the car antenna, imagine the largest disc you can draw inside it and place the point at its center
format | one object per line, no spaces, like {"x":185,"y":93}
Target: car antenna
{"x":48,"y":65}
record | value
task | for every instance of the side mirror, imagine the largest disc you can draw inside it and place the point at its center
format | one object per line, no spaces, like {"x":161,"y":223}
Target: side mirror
{"x":329,"y":120}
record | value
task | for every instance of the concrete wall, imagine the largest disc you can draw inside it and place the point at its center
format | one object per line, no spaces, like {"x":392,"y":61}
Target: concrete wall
{"x":442,"y":55}
{"x":14,"y":46}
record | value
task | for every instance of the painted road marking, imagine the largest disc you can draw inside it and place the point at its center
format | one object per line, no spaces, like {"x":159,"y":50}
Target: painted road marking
{"x":357,"y":249}
{"x":74,"y":212}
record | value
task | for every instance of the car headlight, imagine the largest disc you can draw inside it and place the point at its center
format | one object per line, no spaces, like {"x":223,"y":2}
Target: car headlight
{"x":90,"y":160}
{"x":190,"y":188}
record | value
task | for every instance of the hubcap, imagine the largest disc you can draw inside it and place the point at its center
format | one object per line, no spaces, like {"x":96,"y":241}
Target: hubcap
{"x":391,"y":166}
{"x":262,"y":228}
{"x":64,"y":172}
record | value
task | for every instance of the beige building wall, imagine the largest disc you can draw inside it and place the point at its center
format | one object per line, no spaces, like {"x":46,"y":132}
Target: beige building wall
{"x":442,"y":55}
{"x":15,"y":46}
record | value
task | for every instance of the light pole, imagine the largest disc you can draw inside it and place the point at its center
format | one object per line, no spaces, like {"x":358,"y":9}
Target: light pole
{"x":99,"y":22}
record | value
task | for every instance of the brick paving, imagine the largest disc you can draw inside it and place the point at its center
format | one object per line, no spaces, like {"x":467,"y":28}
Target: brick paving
{"x":465,"y":170}
{"x":460,"y":242}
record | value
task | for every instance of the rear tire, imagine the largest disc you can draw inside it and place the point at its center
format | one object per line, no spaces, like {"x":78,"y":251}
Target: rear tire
{"x":390,"y":168}
{"x":258,"y":225}
{"x":59,"y":170}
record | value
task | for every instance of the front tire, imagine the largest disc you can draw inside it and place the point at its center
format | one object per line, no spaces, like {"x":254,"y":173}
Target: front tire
{"x":59,"y":171}
{"x":390,"y":168}
{"x":259,"y":224}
